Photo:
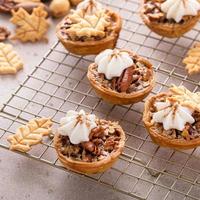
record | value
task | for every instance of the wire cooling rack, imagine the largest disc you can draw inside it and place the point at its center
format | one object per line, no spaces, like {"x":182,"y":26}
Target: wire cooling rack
{"x":59,"y":83}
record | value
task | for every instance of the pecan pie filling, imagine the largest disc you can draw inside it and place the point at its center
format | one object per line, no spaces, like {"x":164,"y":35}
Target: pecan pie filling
{"x":103,"y":140}
{"x":152,"y":9}
{"x":135,"y":78}
{"x":191,"y":130}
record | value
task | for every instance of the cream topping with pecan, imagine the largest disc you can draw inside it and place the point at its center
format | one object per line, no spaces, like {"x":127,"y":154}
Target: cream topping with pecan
{"x":104,"y":139}
{"x":130,"y":73}
{"x":172,"y":115}
{"x":112,"y":63}
{"x":77,"y":126}
{"x":178,"y":9}
{"x":177,"y":113}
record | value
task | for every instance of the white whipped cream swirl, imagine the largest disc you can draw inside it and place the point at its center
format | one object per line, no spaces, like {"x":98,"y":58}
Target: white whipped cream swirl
{"x":113,"y":62}
{"x":77,"y":126}
{"x":90,"y":6}
{"x":172,"y":116}
{"x":177,"y":9}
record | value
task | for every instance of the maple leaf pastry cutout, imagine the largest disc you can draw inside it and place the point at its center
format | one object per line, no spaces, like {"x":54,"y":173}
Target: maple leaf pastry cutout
{"x":185,"y":97}
{"x":30,"y":27}
{"x":192,"y":60}
{"x":10,"y":62}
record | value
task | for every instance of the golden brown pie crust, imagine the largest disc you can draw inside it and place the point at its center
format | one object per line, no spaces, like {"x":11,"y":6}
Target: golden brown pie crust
{"x":167,"y":29}
{"x":122,"y":98}
{"x":90,"y":167}
{"x":92,"y":47}
{"x":160,"y":139}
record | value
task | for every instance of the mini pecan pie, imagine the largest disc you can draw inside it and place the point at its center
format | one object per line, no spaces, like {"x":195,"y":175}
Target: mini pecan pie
{"x":173,"y":118}
{"x":121,"y":77}
{"x":86,"y":144}
{"x":170,"y":18}
{"x":89,"y":29}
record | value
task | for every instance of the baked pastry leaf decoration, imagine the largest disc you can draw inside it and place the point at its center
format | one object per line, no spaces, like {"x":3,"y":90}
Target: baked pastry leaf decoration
{"x":77,"y":126}
{"x":112,"y":63}
{"x":185,"y":97}
{"x":178,"y":9}
{"x":30,"y":27}
{"x":30,"y":134}
{"x":172,"y":115}
{"x":192,"y":60}
{"x":10,"y":62}
{"x":86,"y":25}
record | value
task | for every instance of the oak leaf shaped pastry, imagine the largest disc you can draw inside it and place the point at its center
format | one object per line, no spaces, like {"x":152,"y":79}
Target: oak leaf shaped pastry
{"x":30,"y":134}
{"x":10,"y":62}
{"x":192,"y":60}
{"x":86,"y":25}
{"x":185,"y":97}
{"x":30,"y":27}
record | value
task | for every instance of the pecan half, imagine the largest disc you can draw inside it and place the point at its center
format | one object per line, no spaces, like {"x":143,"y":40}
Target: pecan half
{"x":89,"y":146}
{"x":127,"y":79}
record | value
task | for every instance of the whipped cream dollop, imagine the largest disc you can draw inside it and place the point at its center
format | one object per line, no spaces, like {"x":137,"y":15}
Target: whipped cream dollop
{"x":90,"y":6}
{"x":172,"y":115}
{"x":177,"y":9}
{"x":77,"y":126}
{"x":112,"y":63}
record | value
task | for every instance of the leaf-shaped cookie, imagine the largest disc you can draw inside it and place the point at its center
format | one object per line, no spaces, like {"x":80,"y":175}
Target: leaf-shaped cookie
{"x":30,"y":134}
{"x":10,"y":62}
{"x":30,"y":27}
{"x":86,"y":25}
{"x":192,"y":60}
{"x":185,"y":97}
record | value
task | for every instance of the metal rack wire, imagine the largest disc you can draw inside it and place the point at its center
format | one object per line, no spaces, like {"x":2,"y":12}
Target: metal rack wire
{"x":59,"y":83}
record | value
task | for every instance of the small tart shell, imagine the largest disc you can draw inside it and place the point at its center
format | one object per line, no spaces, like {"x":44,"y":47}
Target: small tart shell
{"x":169,"y":30}
{"x":122,"y":98}
{"x":92,"y":47}
{"x":90,"y":167}
{"x":162,"y":139}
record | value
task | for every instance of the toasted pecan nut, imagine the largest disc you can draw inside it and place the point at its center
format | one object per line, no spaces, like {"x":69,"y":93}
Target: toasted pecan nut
{"x":127,"y":79}
{"x":89,"y":146}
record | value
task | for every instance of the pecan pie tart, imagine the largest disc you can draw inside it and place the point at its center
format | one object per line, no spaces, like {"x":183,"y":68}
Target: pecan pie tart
{"x":121,"y":76}
{"x":89,"y":29}
{"x":173,"y":118}
{"x":170,"y":18}
{"x":86,"y":144}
